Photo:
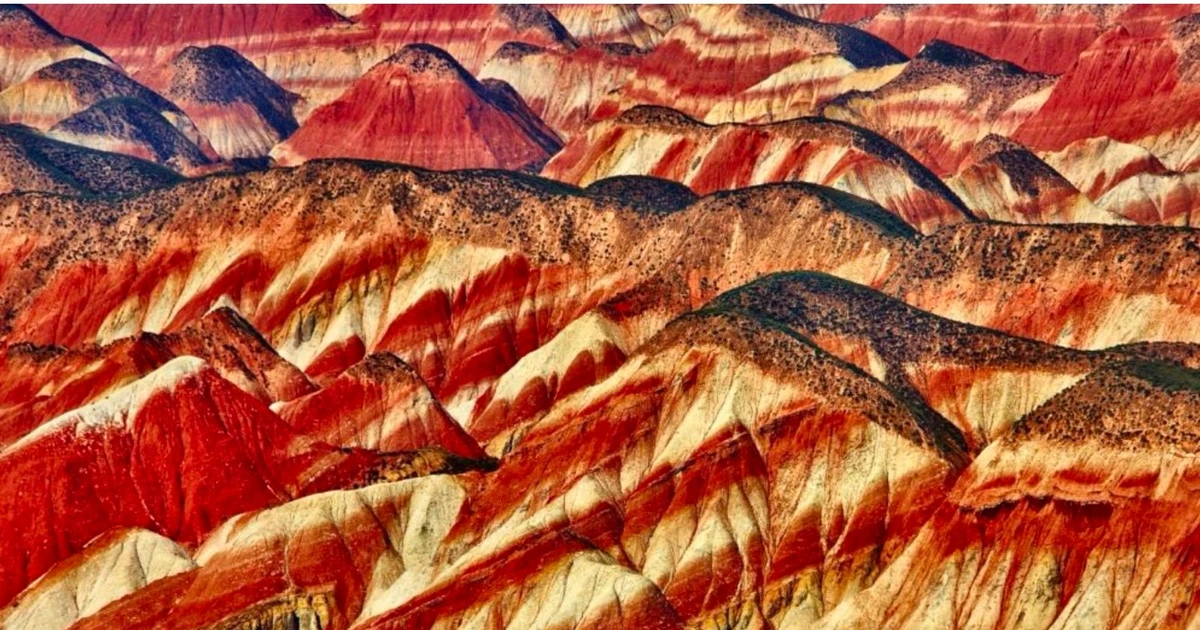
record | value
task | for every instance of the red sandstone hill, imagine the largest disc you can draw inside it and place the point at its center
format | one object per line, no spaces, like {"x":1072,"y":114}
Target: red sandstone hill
{"x":28,"y":43}
{"x":421,"y":107}
{"x":241,"y":111}
{"x":666,"y":143}
{"x":606,"y":24}
{"x":717,"y":52}
{"x":1043,"y":38}
{"x":308,"y":49}
{"x":944,"y":101}
{"x":31,"y":161}
{"x":1106,"y":92}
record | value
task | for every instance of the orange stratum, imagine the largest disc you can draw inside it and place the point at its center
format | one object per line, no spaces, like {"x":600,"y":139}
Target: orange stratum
{"x":421,"y":107}
{"x":1078,"y":518}
{"x":666,"y":143}
{"x":943,"y":102}
{"x":716,"y":483}
{"x":719,"y":51}
{"x":335,"y":260}
{"x":1083,"y":286}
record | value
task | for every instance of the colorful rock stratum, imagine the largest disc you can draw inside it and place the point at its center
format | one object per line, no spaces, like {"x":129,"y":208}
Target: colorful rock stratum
{"x":599,"y":317}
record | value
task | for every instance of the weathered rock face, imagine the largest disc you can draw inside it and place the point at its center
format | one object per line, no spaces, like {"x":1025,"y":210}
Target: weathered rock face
{"x":1003,"y":181}
{"x":421,"y":107}
{"x":564,"y":88}
{"x":1105,"y":93}
{"x":842,"y":342}
{"x":133,"y":127}
{"x":665,"y":143}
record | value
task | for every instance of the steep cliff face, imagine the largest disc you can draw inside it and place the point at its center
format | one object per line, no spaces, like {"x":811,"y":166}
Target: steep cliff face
{"x":421,"y":107}
{"x":1038,"y":38}
{"x":944,"y":101}
{"x":1075,"y":518}
{"x":28,"y":43}
{"x":716,"y":52}
{"x":1003,"y":181}
{"x":665,"y":143}
{"x":1105,"y":92}
{"x":1084,"y":286}
{"x":241,"y":111}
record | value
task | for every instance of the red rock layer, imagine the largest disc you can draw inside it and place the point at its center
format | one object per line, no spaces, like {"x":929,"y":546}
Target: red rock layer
{"x":1084,"y":286}
{"x":28,"y":43}
{"x":1002,"y":181}
{"x":380,"y":403}
{"x":334,"y":260}
{"x":711,"y":476}
{"x":41,"y":382}
{"x":944,"y":101}
{"x":148,"y":455}
{"x":1106,"y":91}
{"x":719,"y":51}
{"x":1044,"y":38}
{"x":1076,"y":518}
{"x":665,"y":143}
{"x":420,"y":107}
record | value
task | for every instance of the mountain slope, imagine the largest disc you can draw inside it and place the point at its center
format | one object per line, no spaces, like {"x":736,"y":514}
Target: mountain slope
{"x":241,"y":111}
{"x":665,"y":143}
{"x":34,"y":162}
{"x":420,"y":107}
{"x":132,"y":127}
